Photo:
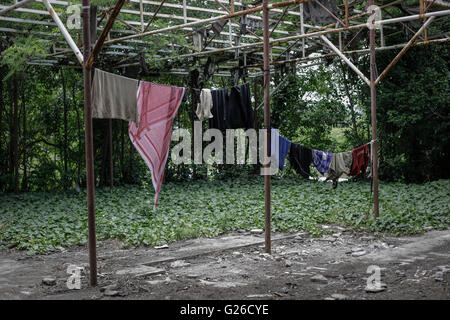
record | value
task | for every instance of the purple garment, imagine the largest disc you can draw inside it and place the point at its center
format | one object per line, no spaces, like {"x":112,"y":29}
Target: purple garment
{"x":285,"y":145}
{"x":322,"y":160}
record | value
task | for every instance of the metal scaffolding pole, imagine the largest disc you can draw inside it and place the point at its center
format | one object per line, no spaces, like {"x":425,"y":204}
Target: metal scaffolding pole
{"x":64,"y":31}
{"x":89,"y":150}
{"x":373,"y":104}
{"x":15,"y":6}
{"x":346,"y":60}
{"x":266,"y":47}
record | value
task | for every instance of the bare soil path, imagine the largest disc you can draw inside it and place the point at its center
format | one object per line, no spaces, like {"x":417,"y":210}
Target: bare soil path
{"x":335,"y":266}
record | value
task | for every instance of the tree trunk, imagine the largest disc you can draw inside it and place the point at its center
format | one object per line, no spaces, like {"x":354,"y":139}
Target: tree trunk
{"x":10,"y":167}
{"x":130,"y":178}
{"x":2,"y":166}
{"x":352,"y":106}
{"x":24,"y":138}
{"x":122,"y":147}
{"x":111,"y":162}
{"x":103,"y":170}
{"x":63,"y":80}
{"x":79,"y":134}
{"x":194,"y":172}
{"x":15,"y":134}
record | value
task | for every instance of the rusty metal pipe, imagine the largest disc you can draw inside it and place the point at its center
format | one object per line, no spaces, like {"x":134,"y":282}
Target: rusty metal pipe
{"x":99,"y":44}
{"x":267,"y":198}
{"x":373,"y":108}
{"x":89,"y":150}
{"x":346,"y":60}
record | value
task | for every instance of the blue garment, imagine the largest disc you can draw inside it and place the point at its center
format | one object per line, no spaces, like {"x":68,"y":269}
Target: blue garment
{"x":284,"y":146}
{"x":322,"y":160}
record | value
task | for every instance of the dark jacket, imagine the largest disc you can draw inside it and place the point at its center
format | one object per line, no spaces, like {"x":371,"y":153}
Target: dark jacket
{"x":233,"y":109}
{"x":300,"y":158}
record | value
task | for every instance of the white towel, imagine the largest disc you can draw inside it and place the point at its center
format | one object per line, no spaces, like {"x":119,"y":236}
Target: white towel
{"x":204,"y":107}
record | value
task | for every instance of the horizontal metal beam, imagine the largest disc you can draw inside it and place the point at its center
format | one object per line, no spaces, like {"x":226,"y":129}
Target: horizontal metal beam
{"x":131,"y":23}
{"x":15,"y":6}
{"x":308,"y":35}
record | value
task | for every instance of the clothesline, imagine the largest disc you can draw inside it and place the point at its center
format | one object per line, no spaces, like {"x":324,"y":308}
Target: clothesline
{"x":151,"y":108}
{"x":352,"y":162}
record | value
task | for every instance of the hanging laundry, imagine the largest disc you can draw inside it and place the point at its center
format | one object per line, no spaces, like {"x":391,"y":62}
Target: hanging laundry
{"x":232,"y":110}
{"x":195,"y":96}
{"x":157,"y":107}
{"x":283,"y":147}
{"x":114,"y":97}
{"x":243,"y":22}
{"x":209,"y":69}
{"x":369,"y":170}
{"x":220,"y":110}
{"x":301,"y":158}
{"x":322,"y":160}
{"x":254,"y":25}
{"x":316,"y":14}
{"x":360,"y":160}
{"x":275,"y":146}
{"x":217,"y":26}
{"x":241,"y":112}
{"x":199,"y":38}
{"x":204,"y":106}
{"x":340,"y":163}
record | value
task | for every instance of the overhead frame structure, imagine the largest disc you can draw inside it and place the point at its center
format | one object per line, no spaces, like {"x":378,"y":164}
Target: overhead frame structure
{"x":284,"y":38}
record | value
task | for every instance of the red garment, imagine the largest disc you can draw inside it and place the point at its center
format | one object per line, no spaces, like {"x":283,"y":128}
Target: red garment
{"x":157,"y":106}
{"x":361,"y":157}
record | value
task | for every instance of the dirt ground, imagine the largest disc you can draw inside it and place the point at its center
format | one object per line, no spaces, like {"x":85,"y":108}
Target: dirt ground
{"x":336,"y":266}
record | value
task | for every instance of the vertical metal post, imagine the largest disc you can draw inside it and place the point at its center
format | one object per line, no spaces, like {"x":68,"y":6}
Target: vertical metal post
{"x":346,"y":13}
{"x":422,"y":10}
{"x":141,"y":13}
{"x":230,"y":35}
{"x":266,"y":47}
{"x":89,"y":150}
{"x":302,"y":29}
{"x":373,"y":104}
{"x":184,"y":11}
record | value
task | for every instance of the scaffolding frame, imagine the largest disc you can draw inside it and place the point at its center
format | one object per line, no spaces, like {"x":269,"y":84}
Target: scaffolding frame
{"x":280,"y":37}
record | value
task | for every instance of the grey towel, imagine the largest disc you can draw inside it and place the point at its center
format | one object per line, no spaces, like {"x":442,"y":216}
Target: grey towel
{"x":340,"y":163}
{"x":114,"y":97}
{"x":217,"y":26}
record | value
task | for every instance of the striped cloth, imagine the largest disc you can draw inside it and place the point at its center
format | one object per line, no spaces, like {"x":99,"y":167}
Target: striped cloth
{"x":157,"y":106}
{"x":322,"y":160}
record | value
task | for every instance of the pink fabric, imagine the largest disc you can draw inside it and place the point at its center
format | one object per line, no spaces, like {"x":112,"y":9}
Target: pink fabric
{"x":157,"y":106}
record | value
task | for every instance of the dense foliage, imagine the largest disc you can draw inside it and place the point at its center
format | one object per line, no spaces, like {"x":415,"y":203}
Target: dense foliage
{"x":42,"y":222}
{"x":325,"y":106}
{"x":414,"y":116}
